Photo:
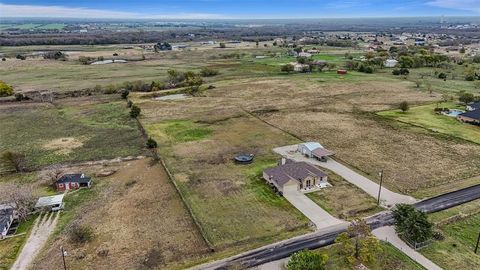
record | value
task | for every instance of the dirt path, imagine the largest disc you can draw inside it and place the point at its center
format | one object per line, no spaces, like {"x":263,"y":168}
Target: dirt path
{"x":43,"y":227}
{"x":388,"y":198}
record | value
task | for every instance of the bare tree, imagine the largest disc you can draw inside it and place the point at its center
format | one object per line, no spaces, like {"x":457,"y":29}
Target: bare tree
{"x":50,"y":175}
{"x":13,"y":160}
{"x":20,"y":197}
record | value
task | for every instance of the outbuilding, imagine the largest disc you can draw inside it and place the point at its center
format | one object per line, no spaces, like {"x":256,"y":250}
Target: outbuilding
{"x":50,"y":203}
{"x":390,"y":63}
{"x":307,"y":148}
{"x":73,"y":181}
{"x":7,"y":216}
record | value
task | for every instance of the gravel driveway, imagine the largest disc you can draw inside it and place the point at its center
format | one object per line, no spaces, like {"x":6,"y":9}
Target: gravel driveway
{"x":43,"y":227}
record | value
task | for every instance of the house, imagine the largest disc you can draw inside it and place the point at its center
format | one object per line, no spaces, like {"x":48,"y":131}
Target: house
{"x":390,"y":63}
{"x":7,"y":215}
{"x":291,"y":175}
{"x":73,"y":181}
{"x":473,"y":106}
{"x":50,"y":203}
{"x":342,"y":71}
{"x":304,"y":54}
{"x":314,"y":150}
{"x":300,"y":67}
{"x":472,"y":117}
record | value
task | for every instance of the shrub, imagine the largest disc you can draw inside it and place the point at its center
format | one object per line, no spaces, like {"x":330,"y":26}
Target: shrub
{"x":85,"y":60}
{"x":396,"y":72}
{"x":151,"y":143}
{"x":208,"y":72}
{"x":135,"y":111}
{"x":287,"y":68}
{"x":4,"y":59}
{"x":5,"y":89}
{"x":20,"y":97}
{"x":129,"y":104}
{"x":21,"y":57}
{"x":56,"y":55}
{"x":80,"y":234}
{"x":412,"y":224}
{"x":222,"y":45}
{"x":442,"y":75}
{"x":125,"y":94}
{"x":404,"y":106}
{"x":307,"y":260}
{"x":404,"y":71}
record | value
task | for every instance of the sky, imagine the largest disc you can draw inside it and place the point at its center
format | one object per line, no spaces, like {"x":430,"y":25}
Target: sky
{"x":237,"y":9}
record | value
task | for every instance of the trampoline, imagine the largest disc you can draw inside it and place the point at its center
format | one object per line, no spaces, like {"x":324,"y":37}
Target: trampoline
{"x":244,"y":159}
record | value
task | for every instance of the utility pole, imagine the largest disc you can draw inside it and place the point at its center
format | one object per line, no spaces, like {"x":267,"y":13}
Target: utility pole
{"x":476,"y":246}
{"x":63,"y":257}
{"x":380,"y":188}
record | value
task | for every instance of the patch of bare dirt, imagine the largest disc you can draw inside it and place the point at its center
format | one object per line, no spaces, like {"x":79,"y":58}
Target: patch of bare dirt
{"x":63,"y":145}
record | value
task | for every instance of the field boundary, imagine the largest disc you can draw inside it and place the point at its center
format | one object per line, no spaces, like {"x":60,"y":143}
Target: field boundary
{"x":172,"y":180}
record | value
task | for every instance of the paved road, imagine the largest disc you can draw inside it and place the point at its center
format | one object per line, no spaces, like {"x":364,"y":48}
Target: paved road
{"x":321,"y":218}
{"x":327,"y":236}
{"x":388,"y":234}
{"x":43,"y":227}
{"x":387,"y":197}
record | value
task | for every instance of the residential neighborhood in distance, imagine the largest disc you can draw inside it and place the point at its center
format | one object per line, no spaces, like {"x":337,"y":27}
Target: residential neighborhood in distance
{"x":259,"y":135}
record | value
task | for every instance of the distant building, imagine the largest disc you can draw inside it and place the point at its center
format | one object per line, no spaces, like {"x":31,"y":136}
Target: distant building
{"x":304,"y":54}
{"x":162,"y":46}
{"x":73,"y":181}
{"x":314,"y":150}
{"x":291,"y":175}
{"x":473,"y":106}
{"x":472,"y":117}
{"x":390,"y":63}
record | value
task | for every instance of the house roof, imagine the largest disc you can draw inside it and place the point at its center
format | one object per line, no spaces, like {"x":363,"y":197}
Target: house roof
{"x":312,"y":145}
{"x":49,"y":201}
{"x":475,"y":105}
{"x":5,"y":216}
{"x":293,"y":171}
{"x":475,"y":114}
{"x":322,"y":152}
{"x":74,"y":177}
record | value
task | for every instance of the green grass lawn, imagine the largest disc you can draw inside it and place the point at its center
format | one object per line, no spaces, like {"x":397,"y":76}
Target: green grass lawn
{"x":389,"y":258}
{"x":100,"y":131}
{"x":344,"y":200}
{"x":425,"y":117}
{"x":456,"y":250}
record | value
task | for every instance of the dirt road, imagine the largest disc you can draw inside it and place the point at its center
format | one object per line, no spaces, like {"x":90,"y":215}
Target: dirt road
{"x":43,"y":227}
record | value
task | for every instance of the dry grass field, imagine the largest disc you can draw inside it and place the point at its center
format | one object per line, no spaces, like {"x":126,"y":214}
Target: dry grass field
{"x":136,"y":215}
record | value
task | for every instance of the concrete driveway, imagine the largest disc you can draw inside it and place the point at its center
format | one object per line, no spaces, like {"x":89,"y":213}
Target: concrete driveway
{"x":387,"y":197}
{"x":321,"y":218}
{"x":388,"y":234}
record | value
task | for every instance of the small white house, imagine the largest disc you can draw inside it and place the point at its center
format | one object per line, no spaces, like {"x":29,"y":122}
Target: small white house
{"x":390,"y":63}
{"x":304,"y":54}
{"x":51,"y":203}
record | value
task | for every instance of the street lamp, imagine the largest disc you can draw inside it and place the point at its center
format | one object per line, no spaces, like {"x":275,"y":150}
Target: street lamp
{"x":380,"y":187}
{"x":64,"y":253}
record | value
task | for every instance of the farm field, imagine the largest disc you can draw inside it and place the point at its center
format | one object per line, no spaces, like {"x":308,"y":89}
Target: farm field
{"x":156,"y":229}
{"x":425,"y":117}
{"x":72,"y":130}
{"x":224,"y":195}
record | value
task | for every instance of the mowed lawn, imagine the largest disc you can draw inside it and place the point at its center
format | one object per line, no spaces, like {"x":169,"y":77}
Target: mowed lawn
{"x":73,"y":130}
{"x":344,"y":200}
{"x":232,"y":203}
{"x":425,"y":117}
{"x":389,"y":258}
{"x":456,"y":251}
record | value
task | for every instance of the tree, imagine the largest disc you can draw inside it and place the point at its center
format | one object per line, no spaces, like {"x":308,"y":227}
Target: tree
{"x":466,"y":97}
{"x":151,"y":143}
{"x":135,"y":111}
{"x":442,"y":75}
{"x":406,"y":61}
{"x":125,"y":94}
{"x":5,"y":89}
{"x":194,"y":81}
{"x":412,"y":224}
{"x":362,"y":246}
{"x":13,"y":160}
{"x":404,"y":106}
{"x":20,"y":197}
{"x":307,"y":260}
{"x":222,"y":45}
{"x":287,"y":68}
{"x":50,"y":175}
{"x":175,"y":77}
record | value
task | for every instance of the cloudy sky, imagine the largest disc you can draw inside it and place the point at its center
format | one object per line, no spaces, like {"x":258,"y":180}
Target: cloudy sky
{"x":248,"y":9}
